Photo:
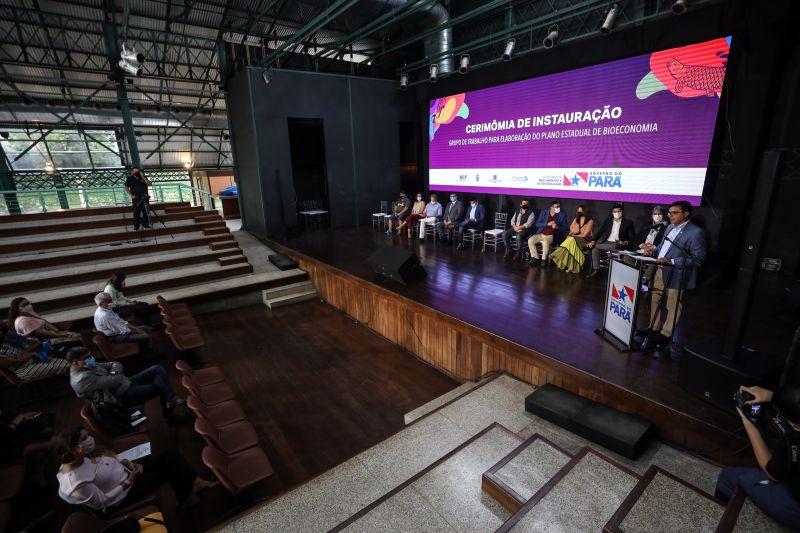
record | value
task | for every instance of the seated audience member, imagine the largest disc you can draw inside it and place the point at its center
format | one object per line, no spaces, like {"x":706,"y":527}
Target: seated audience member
{"x":89,"y":378}
{"x":431,"y":215}
{"x":773,"y":487}
{"x":98,"y":479}
{"x":453,"y":215}
{"x":416,"y":214}
{"x":474,"y":218}
{"x":520,"y":229}
{"x":616,"y":233}
{"x":29,"y":365}
{"x":113,"y":326}
{"x":400,"y":211}
{"x":550,"y":228}
{"x":569,"y":256}
{"x":124,"y":306}
{"x":28,"y":323}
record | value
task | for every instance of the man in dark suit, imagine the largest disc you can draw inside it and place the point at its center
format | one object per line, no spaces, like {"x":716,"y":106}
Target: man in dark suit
{"x":616,"y":233}
{"x":521,"y":228}
{"x":474,"y":217}
{"x":549,"y":230}
{"x":684,"y":246}
{"x":453,"y":215}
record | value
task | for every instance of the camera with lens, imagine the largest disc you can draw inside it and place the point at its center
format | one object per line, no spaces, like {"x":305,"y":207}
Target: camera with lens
{"x":754,"y":412}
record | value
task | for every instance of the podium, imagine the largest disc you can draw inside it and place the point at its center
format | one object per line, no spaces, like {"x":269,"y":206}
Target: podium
{"x":623,"y":293}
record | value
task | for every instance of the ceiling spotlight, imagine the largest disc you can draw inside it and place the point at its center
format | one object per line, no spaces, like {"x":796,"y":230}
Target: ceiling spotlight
{"x":130,"y":68}
{"x":611,"y":18}
{"x":48,"y":167}
{"x":266,"y":76}
{"x":552,"y":37}
{"x":433,"y":73}
{"x":463,"y":64}
{"x":679,"y":7}
{"x":509,"y":49}
{"x":403,"y":81}
{"x":130,"y":55}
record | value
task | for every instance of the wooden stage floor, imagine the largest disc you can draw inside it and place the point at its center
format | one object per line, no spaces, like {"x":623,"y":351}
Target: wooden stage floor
{"x":552,"y":312}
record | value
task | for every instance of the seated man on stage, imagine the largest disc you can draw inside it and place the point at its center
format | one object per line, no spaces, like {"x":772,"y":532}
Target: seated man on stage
{"x":773,"y":487}
{"x":616,"y":233}
{"x":520,"y":228}
{"x":136,"y":187}
{"x":431,"y":215}
{"x":550,"y":228}
{"x":400,"y":211}
{"x":683,"y":247}
{"x":453,"y":215}
{"x":473,"y":219}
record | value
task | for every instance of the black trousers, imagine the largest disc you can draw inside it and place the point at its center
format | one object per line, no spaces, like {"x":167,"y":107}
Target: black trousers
{"x":140,"y":215}
{"x":161,"y":468}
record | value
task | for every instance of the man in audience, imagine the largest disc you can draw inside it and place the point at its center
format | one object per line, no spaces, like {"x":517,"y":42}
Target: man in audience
{"x":89,"y":379}
{"x":114,"y":326}
{"x":473,"y":219}
{"x":431,"y":215}
{"x":520,"y":228}
{"x":400,"y":211}
{"x":773,"y":487}
{"x":550,"y":228}
{"x":683,"y":247}
{"x":616,"y":233}
{"x":453,"y":215}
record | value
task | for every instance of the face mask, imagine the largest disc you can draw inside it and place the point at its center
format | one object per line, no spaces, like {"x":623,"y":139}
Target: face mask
{"x":453,"y":198}
{"x":580,"y":214}
{"x":419,"y":197}
{"x":89,"y":362}
{"x":523,"y":207}
{"x":473,"y":204}
{"x":658,"y":219}
{"x":557,"y":210}
{"x":617,"y":215}
{"x":88,"y":444}
{"x":28,"y":308}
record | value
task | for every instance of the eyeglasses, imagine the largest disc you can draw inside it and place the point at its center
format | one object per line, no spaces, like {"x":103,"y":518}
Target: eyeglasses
{"x":674,"y":213}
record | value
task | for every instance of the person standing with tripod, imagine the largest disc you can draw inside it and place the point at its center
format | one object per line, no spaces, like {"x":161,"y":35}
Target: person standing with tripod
{"x":136,"y":187}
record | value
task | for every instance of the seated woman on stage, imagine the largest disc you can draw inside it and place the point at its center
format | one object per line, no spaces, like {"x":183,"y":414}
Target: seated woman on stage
{"x":570,"y":255}
{"x":28,"y":323}
{"x":416,"y":213}
{"x":124,"y":306}
{"x":96,"y":478}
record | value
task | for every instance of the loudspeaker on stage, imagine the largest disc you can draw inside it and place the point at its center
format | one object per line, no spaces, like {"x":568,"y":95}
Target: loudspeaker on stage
{"x":397,"y":264}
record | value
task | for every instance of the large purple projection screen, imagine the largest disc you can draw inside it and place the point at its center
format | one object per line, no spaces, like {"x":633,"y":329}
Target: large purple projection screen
{"x":639,"y":129}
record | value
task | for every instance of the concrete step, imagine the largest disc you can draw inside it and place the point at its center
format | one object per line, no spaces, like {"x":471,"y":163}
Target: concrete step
{"x":581,"y":497}
{"x":445,"y":497}
{"x":195,"y":293}
{"x":92,"y":211}
{"x":290,"y":299}
{"x":95,"y":271}
{"x":523,"y":472}
{"x":285,"y":290}
{"x":663,"y":503}
{"x":442,"y":400}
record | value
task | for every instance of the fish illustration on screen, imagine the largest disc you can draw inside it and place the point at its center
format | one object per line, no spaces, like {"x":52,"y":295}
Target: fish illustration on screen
{"x":698,"y":77}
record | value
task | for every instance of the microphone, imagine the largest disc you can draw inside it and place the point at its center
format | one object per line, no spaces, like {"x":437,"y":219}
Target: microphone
{"x":653,"y":226}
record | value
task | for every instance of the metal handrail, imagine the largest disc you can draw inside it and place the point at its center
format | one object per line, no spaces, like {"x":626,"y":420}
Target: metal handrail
{"x":40,"y":200}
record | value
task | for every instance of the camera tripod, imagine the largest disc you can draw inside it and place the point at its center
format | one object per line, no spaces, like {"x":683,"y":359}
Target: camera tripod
{"x":150,"y":212}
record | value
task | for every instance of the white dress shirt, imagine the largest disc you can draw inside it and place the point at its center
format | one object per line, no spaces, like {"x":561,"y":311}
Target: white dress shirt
{"x":110,"y":323}
{"x":667,"y":243}
{"x":472,"y":210}
{"x":614,"y":236}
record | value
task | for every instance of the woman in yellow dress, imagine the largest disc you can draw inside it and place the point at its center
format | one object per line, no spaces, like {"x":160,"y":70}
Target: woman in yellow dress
{"x":570,"y":255}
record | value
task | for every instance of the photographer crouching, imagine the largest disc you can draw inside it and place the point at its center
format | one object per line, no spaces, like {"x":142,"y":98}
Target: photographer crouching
{"x":136,"y":187}
{"x":774,"y":487}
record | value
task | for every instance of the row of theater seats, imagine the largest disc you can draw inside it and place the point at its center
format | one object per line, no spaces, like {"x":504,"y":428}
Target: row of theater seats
{"x":232,"y":452}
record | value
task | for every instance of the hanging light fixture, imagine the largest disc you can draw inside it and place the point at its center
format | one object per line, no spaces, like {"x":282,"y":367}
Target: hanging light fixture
{"x":611,"y":18}
{"x":403,"y":81}
{"x":509,"y":49}
{"x":433,"y":73}
{"x":130,"y":61}
{"x":463,"y":64}
{"x":679,"y":7}
{"x":552,"y":37}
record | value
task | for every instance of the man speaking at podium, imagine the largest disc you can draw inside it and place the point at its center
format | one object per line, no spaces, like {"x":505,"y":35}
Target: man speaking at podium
{"x":136,"y":187}
{"x":683,"y":247}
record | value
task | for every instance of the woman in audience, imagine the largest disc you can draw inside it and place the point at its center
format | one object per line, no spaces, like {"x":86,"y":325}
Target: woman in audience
{"x":28,"y":365}
{"x":96,"y":478}
{"x":28,"y":323}
{"x":416,"y":213}
{"x":570,"y":256}
{"x":124,"y":306}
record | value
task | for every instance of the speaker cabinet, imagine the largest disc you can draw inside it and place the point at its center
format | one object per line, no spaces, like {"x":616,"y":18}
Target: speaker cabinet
{"x":703,"y":371}
{"x":397,"y":264}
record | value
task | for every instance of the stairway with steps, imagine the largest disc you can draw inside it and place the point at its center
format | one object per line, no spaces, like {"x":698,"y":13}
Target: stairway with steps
{"x":449,"y":470}
{"x":289,"y":294}
{"x":61,"y":259}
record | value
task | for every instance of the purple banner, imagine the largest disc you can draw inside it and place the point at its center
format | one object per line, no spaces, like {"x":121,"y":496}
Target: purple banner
{"x":638,"y":129}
